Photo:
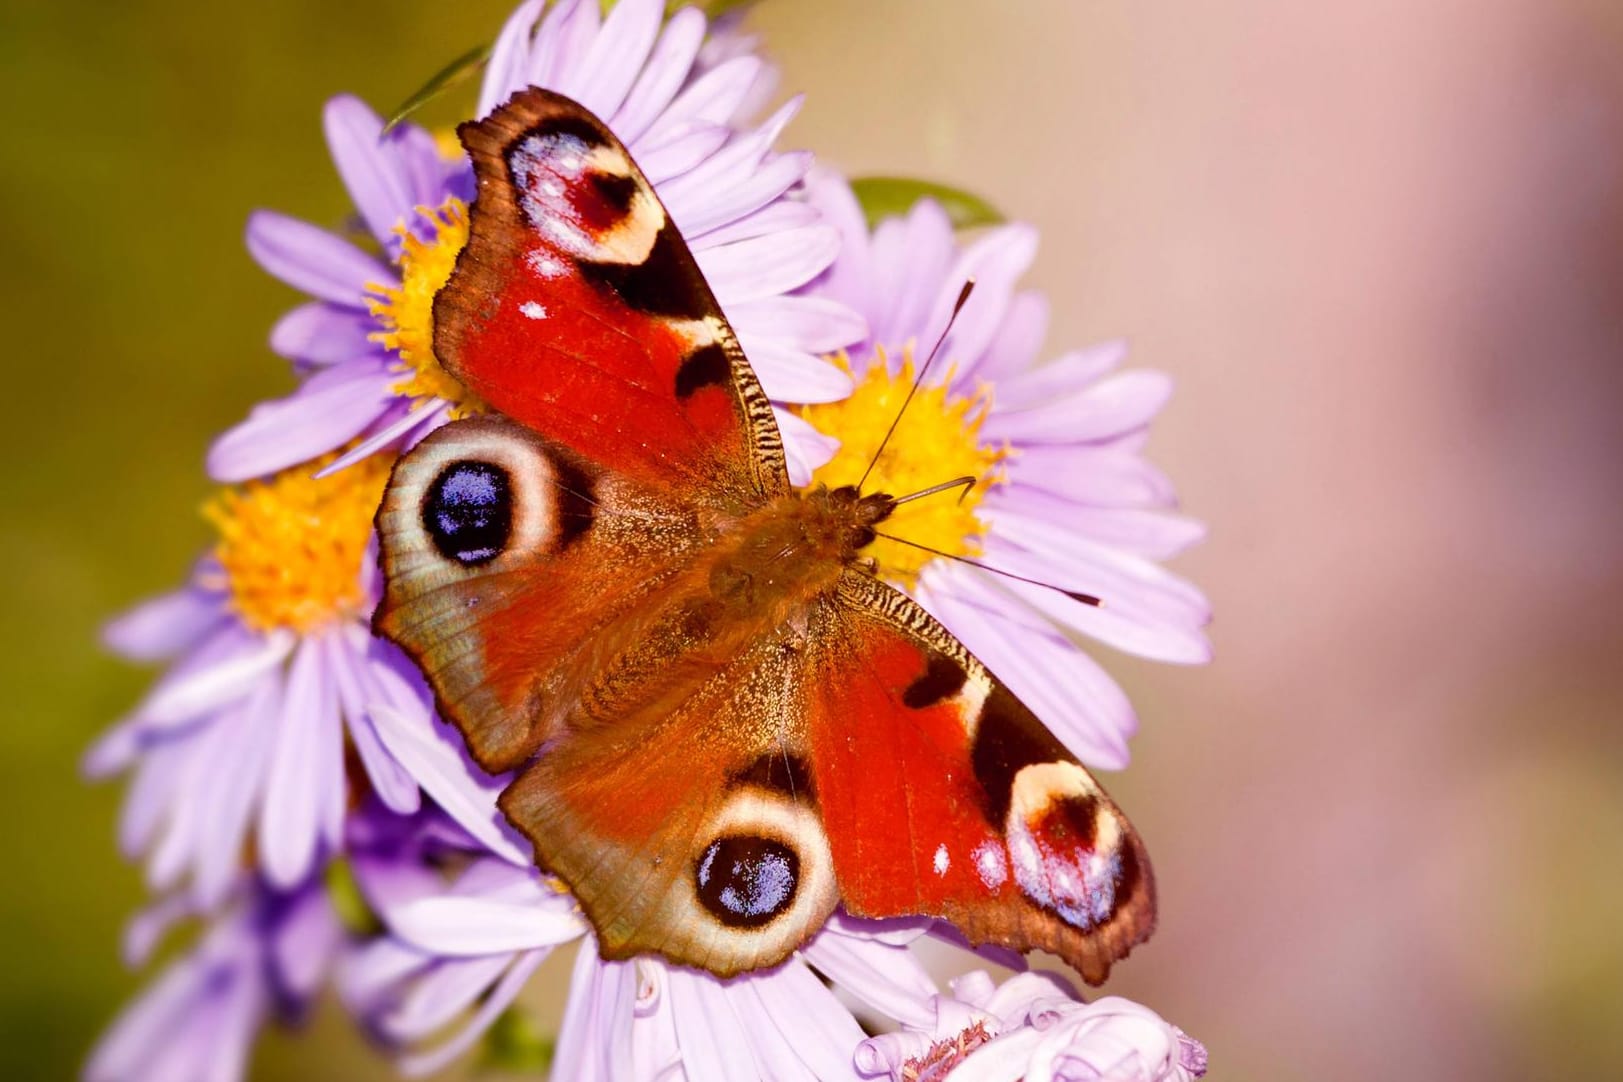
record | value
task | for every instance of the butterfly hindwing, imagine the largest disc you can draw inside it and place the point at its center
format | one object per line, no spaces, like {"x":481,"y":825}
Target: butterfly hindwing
{"x":943,"y":795}
{"x":577,"y":310}
{"x":502,"y":555}
{"x":689,"y":828}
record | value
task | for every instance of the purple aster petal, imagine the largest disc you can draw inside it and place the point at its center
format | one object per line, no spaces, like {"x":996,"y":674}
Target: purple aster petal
{"x":710,"y":197}
{"x":608,"y":69}
{"x":804,"y":447}
{"x":742,"y":177}
{"x":414,"y":422}
{"x":713,"y":97}
{"x":369,"y":977}
{"x":332,"y":782}
{"x":184,"y":695}
{"x":1131,"y":585}
{"x":762,"y":266}
{"x":791,"y":375}
{"x":230,"y":789}
{"x":128,"y":1045}
{"x":304,"y":943}
{"x":148,"y":796}
{"x":885,"y":976}
{"x":811,"y":1023}
{"x":326,"y":411}
{"x":714,"y":1044}
{"x":814,"y":324}
{"x":436,"y":760}
{"x":369,"y":165}
{"x":498,"y":1001}
{"x":163,"y":626}
{"x":1110,"y":1038}
{"x":599,"y":992}
{"x":850,"y":279}
{"x":147,"y":928}
{"x":313,"y":260}
{"x":683,"y":149}
{"x":1120,"y":622}
{"x":1066,"y":689}
{"x":668,"y":65}
{"x":395,"y":787}
{"x":782,"y":215}
{"x":322,"y":334}
{"x":1064,"y":376}
{"x":1108,"y":408}
{"x":507,"y":56}
{"x":1088,"y":474}
{"x":443,"y":994}
{"x":565,"y":34}
{"x":1014,"y":348}
{"x":456,"y":927}
{"x":113,"y":752}
{"x":910,"y":261}
{"x":289,"y":818}
{"x":1156,"y":534}
{"x":996,"y":262}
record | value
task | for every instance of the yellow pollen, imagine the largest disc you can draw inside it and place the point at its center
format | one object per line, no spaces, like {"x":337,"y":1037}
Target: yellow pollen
{"x":407,"y":313}
{"x":292,"y":546}
{"x":937,"y":440}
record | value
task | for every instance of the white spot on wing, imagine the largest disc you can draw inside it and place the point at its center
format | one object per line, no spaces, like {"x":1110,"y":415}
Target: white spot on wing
{"x":991,"y":865}
{"x":533,"y":310}
{"x":543,"y":263}
{"x":942,"y":860}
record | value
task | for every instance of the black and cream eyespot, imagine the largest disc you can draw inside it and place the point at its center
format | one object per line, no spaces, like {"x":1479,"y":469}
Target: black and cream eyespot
{"x":476,"y":493}
{"x":760,"y":881}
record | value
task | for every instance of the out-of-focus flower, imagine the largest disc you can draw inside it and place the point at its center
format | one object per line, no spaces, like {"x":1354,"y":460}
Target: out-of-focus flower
{"x":1063,"y":495}
{"x":367,"y":338}
{"x":264,"y":956}
{"x":272,"y":662}
{"x":1033,"y":1028}
{"x":465,"y":948}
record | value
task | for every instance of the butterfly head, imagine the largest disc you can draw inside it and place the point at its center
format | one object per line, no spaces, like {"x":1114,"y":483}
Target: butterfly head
{"x":851,"y":517}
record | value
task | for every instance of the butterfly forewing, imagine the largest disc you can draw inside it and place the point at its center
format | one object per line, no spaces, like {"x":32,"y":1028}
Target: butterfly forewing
{"x":576,"y":309}
{"x":943,"y":795}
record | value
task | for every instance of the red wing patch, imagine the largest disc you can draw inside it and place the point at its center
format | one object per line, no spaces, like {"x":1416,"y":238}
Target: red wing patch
{"x":943,"y":795}
{"x":577,"y":310}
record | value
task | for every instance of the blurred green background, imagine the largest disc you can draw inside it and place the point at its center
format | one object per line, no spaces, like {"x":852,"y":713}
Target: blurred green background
{"x":1379,"y":245}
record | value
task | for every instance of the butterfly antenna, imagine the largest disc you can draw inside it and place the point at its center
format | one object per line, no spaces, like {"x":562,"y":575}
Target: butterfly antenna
{"x":958,"y":306}
{"x":1074,"y":595}
{"x":966,"y":482}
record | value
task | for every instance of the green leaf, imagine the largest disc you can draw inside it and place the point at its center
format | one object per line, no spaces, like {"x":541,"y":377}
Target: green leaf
{"x":514,"y":1043}
{"x":889,"y":197}
{"x":454,"y":73}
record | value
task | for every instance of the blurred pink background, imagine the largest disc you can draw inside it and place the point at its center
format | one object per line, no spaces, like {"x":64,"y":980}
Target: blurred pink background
{"x":1380,"y":245}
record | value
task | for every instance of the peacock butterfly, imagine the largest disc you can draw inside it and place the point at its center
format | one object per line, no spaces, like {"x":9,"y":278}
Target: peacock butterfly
{"x":724,"y":724}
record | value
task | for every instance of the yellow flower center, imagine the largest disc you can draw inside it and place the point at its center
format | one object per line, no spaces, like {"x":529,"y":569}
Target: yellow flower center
{"x":937,"y":440}
{"x":407,"y":313}
{"x":292,"y":546}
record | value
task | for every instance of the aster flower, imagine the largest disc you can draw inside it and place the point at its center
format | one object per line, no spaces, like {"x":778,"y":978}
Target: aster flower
{"x":263,"y":957}
{"x":465,"y":948}
{"x":1064,"y":495}
{"x":367,"y":338}
{"x":273,"y":663}
{"x":641,"y":1018}
{"x":1034,"y":1028}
